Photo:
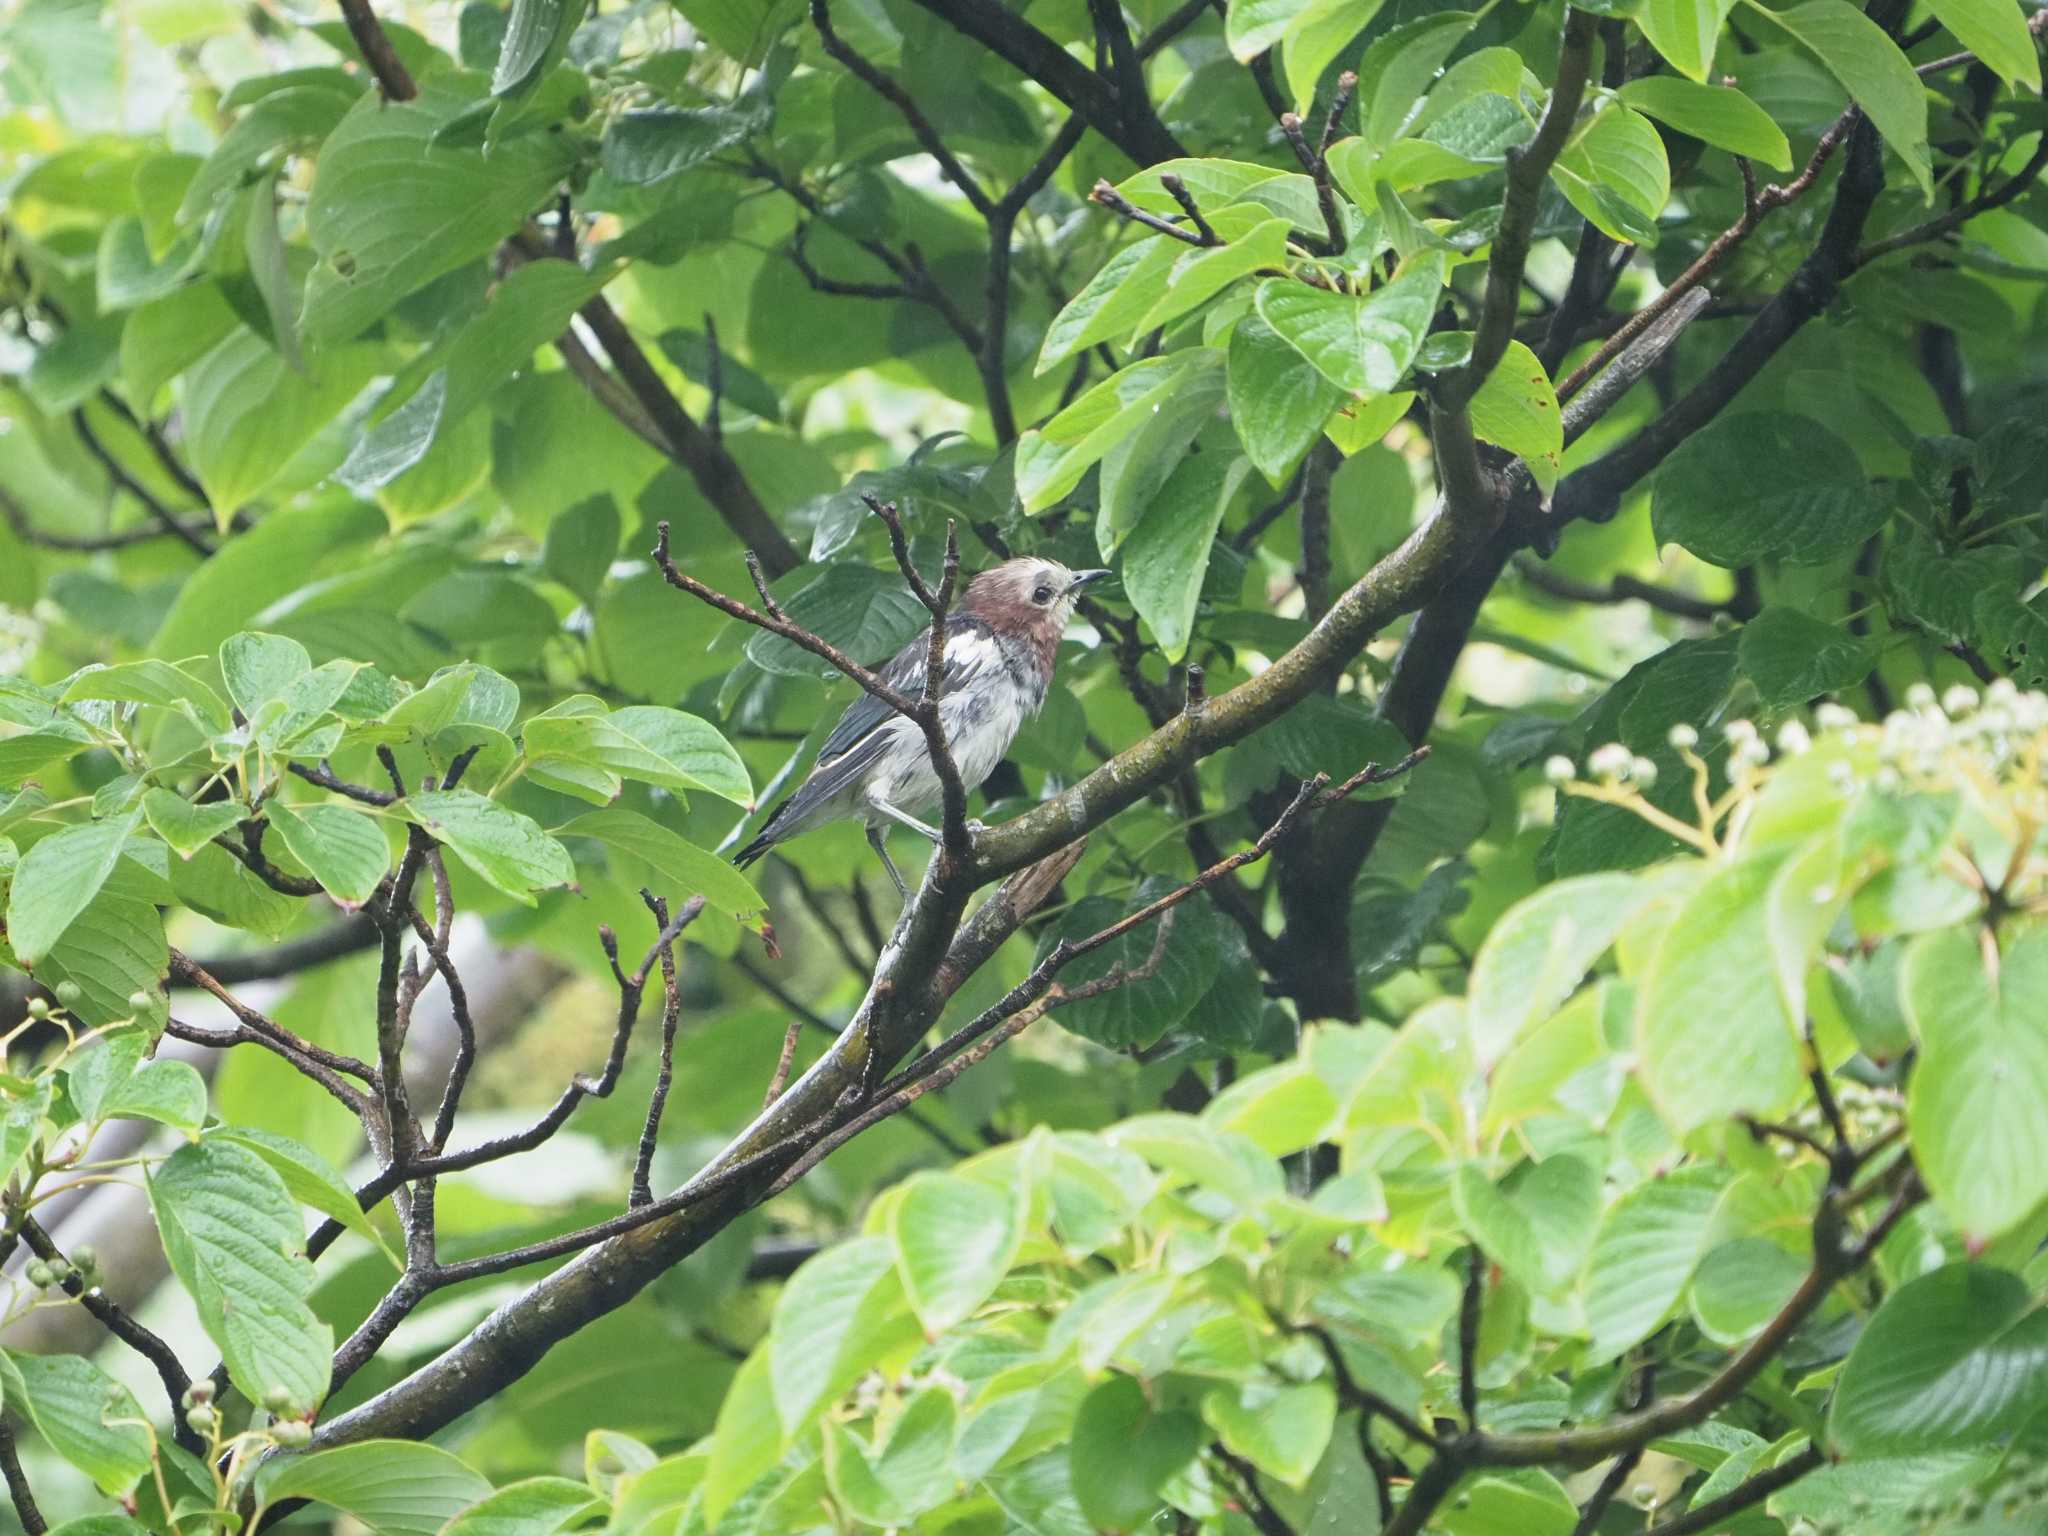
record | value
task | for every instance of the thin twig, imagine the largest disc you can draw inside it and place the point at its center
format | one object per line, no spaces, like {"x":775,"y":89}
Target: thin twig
{"x":25,"y":1509}
{"x":780,"y":1078}
{"x":657,"y":1101}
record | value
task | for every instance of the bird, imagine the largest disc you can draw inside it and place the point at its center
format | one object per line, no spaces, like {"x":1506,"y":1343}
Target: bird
{"x":1001,"y":640}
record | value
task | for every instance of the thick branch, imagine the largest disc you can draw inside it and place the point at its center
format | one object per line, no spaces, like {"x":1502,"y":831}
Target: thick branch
{"x":392,"y":76}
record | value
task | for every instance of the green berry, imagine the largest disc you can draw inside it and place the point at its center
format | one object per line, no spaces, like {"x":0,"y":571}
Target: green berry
{"x":291,"y":1433}
{"x":69,"y":992}
{"x":85,"y":1257}
{"x":278,"y":1400}
{"x":39,"y":1274}
{"x":199,"y":1393}
{"x":139,"y":1001}
{"x":202,"y":1418}
{"x":39,"y":1007}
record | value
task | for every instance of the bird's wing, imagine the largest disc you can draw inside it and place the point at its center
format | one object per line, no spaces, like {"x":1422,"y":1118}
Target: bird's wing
{"x":970,"y":652}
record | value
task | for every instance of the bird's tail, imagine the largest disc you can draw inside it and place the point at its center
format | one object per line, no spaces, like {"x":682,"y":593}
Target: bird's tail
{"x":765,"y":839}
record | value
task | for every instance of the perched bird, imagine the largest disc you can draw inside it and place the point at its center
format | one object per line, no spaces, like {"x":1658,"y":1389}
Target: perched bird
{"x":1001,"y":638}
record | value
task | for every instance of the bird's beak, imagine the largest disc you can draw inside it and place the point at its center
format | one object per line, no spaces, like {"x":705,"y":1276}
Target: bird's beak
{"x":1082,"y":579}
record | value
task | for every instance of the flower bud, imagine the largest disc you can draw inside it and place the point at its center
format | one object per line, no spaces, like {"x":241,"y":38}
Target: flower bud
{"x":1683,"y":737}
{"x":1793,"y":739}
{"x":1560,"y":770}
{"x":1739,"y":731}
{"x":199,"y":1393}
{"x":1610,"y":761}
{"x":1644,"y":772}
{"x":1958,"y":699}
{"x":1920,"y":696}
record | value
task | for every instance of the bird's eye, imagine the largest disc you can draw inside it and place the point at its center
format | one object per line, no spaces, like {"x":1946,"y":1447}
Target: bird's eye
{"x":1043,"y":594}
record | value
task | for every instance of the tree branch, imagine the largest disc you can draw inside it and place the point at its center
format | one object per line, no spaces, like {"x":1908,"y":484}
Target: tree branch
{"x":375,"y":46}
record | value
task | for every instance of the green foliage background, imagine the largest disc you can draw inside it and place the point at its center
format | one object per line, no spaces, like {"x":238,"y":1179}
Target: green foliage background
{"x":1640,"y":1107}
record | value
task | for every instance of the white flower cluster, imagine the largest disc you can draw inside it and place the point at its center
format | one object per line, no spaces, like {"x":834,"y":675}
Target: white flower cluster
{"x":1993,"y":728}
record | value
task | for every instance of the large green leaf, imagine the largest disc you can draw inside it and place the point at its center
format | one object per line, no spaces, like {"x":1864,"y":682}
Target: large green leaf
{"x":1278,"y":402}
{"x":1711,"y":1023}
{"x":1315,"y":35}
{"x":233,"y":1236}
{"x":687,"y":869}
{"x":1954,"y":1358}
{"x":1167,"y":554}
{"x":1281,"y":1430}
{"x":247,"y":411}
{"x":1516,"y":407}
{"x":1872,"y":69}
{"x":954,"y":1240}
{"x":395,"y":1487}
{"x":343,"y":849}
{"x":1718,"y":115}
{"x":1978,"y":1101}
{"x":1644,"y":1255}
{"x":70,"y":1401}
{"x":1997,"y":33}
{"x":505,"y":846}
{"x":1684,"y":31}
{"x":1761,"y":485}
{"x":1362,"y":345}
{"x":1614,"y":171}
{"x":1052,"y":459}
{"x":308,"y":1177}
{"x":1538,"y":953}
{"x":1123,"y":1451}
{"x":837,"y":1317}
{"x":1793,"y":657}
{"x":58,"y":878}
{"x":392,"y":209}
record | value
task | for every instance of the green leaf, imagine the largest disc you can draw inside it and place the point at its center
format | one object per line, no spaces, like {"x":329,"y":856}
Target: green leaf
{"x":1614,"y":171}
{"x":1315,"y":35}
{"x":188,"y":827}
{"x":295,"y":117}
{"x":1052,"y":459}
{"x":1955,"y":1358}
{"x":910,"y":1473}
{"x":1538,"y":953}
{"x":1140,"y":1011}
{"x":1647,"y":1248}
{"x":58,"y":878}
{"x":308,"y":1177}
{"x":1253,"y":26}
{"x":1526,"y":1502}
{"x":1872,"y":69}
{"x":271,"y":273}
{"x":1196,"y":276}
{"x":234,"y":1239}
{"x":1282,"y":1109}
{"x":1741,"y":1286}
{"x":683,"y":752}
{"x":1761,"y":485}
{"x":254,"y":569}
{"x":151,"y":682}
{"x":1684,"y":31}
{"x":1122,"y":1453}
{"x":1719,"y":115}
{"x":533,"y":1506}
{"x":867,"y":613}
{"x":1397,"y":70}
{"x":1977,"y":1105}
{"x":258,"y":668}
{"x":1504,"y":1234}
{"x":1793,"y":657}
{"x":112,"y":950}
{"x":1711,"y":1022}
{"x":247,"y":412}
{"x":531,"y":35}
{"x":1996,"y":31}
{"x":442,"y":387}
{"x":391,"y":209}
{"x":1278,"y":403}
{"x":505,"y":846}
{"x":838,"y":1316}
{"x":748,"y":1438}
{"x":343,"y":849}
{"x":1516,"y":407}
{"x":70,"y":1400}
{"x":395,"y":1487}
{"x":687,"y":869}
{"x":114,"y":1082}
{"x":648,"y":146}
{"x":954,"y":1240}
{"x":1362,"y":345}
{"x":1111,"y":303}
{"x":1167,"y":554}
{"x":1281,"y":1430}
{"x":581,"y":545}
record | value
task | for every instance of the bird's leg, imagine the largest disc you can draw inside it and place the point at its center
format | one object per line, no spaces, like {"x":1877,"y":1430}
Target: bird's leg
{"x":905,"y":819}
{"x":878,"y":840}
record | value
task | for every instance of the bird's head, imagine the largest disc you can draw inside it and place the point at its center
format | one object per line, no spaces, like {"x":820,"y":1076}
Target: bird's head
{"x":1030,"y":596}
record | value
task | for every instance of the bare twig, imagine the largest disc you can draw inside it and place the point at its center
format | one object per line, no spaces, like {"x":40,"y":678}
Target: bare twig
{"x":671,"y":1015}
{"x":938,"y":604}
{"x":1117,"y":203}
{"x":375,"y":46}
{"x":167,"y":520}
{"x":1745,"y":1495}
{"x":24,"y":1498}
{"x":779,"y":1079}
